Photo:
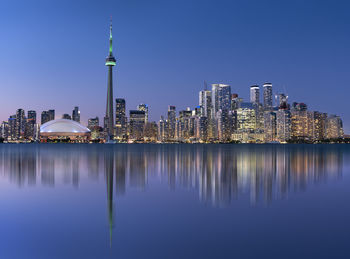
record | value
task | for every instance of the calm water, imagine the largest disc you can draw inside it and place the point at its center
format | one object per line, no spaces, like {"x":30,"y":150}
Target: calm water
{"x":174,"y":201}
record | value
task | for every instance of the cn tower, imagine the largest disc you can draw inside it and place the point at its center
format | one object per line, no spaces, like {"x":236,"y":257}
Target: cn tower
{"x":110,"y":63}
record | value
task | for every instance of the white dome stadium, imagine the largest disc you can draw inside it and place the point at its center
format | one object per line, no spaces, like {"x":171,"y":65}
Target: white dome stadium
{"x":63,"y":126}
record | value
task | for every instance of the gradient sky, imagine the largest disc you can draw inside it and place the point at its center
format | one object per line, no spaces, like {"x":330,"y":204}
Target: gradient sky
{"x":52,"y":53}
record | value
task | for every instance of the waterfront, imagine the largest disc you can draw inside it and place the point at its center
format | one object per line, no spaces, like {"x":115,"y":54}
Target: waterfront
{"x":174,"y":201}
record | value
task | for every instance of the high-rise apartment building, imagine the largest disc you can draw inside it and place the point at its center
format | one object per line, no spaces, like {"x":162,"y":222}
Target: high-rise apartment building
{"x":283,"y":125}
{"x":143,"y":107}
{"x":76,"y":114}
{"x":254,"y":94}
{"x":334,"y":127}
{"x":120,"y":119}
{"x":93,"y":123}
{"x":270,"y":126}
{"x":171,"y":122}
{"x":20,"y":124}
{"x":30,"y":125}
{"x":47,"y":116}
{"x":267,"y":96}
{"x":221,"y":97}
{"x":137,"y":124}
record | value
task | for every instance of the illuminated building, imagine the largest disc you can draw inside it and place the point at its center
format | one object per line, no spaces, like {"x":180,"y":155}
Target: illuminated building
{"x":334,"y":127}
{"x":30,"y":125}
{"x":319,"y":125}
{"x":151,"y":132}
{"x":171,"y":122}
{"x":283,"y":125}
{"x":162,"y":130}
{"x":93,"y":123}
{"x":221,"y":97}
{"x":120,"y":119}
{"x":137,"y":124}
{"x":5,"y":130}
{"x":62,"y":129}
{"x":12,"y":127}
{"x":47,"y":116}
{"x":143,"y":107}
{"x":269,"y":126}
{"x":108,"y":119}
{"x":20,"y":124}
{"x":225,"y":125}
{"x":254,"y":94}
{"x":267,"y":96}
{"x":201,"y":128}
{"x":301,"y":123}
{"x":246,"y":117}
{"x":76,"y":114}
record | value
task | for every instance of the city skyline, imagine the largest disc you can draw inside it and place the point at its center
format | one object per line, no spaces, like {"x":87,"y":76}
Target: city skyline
{"x":312,"y":75}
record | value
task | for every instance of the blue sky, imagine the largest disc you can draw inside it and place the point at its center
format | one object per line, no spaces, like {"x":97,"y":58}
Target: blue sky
{"x":52,"y":52}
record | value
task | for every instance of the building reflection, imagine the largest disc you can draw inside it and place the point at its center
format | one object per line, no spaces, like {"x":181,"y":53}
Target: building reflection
{"x":220,"y":173}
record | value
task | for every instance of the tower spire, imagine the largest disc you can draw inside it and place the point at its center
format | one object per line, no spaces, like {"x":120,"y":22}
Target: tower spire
{"x":110,"y":38}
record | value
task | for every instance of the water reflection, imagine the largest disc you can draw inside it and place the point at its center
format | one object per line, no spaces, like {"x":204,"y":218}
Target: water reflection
{"x":220,"y":173}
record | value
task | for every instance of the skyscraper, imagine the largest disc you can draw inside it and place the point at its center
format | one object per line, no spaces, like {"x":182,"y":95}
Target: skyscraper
{"x":31,"y":121}
{"x":143,"y":107}
{"x":20,"y":124}
{"x":76,"y":114}
{"x":267,"y":96}
{"x":221,"y":97}
{"x":137,"y":124}
{"x":171,"y":122}
{"x":110,"y":63}
{"x":120,"y":118}
{"x":254,"y":94}
{"x":47,"y":116}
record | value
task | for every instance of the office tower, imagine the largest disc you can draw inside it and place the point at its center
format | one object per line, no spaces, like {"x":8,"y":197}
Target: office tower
{"x":319,"y":125}
{"x":76,"y":114}
{"x":184,"y":125}
{"x":221,"y":97}
{"x":47,"y":116}
{"x":20,"y":124}
{"x":282,"y":101}
{"x":143,"y":107}
{"x":151,"y":132}
{"x":66,"y":116}
{"x":12,"y":127}
{"x":205,"y":103}
{"x":235,"y":102}
{"x":267,"y":96}
{"x":201,"y":128}
{"x":171,"y":122}
{"x":162,"y":129}
{"x":120,"y":119}
{"x":137,"y":124}
{"x":254,"y":94}
{"x":5,"y":130}
{"x":44,"y":117}
{"x":301,"y":122}
{"x":110,"y":63}
{"x":36,"y":131}
{"x":93,"y":123}
{"x":31,"y":121}
{"x":269,"y":126}
{"x":246,"y":118}
{"x":334,"y":127}
{"x":283,"y":125}
{"x":225,"y":125}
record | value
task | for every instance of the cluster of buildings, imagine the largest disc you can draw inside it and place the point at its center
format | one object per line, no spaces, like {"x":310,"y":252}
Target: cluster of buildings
{"x":221,"y":116}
